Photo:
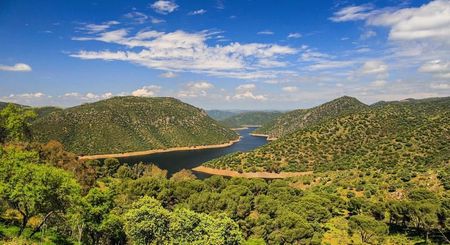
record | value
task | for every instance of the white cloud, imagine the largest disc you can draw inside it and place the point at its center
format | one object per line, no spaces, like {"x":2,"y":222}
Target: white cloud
{"x":146,"y":91}
{"x":183,"y":51}
{"x":294,"y":35}
{"x":137,"y":17}
{"x":429,"y":21}
{"x":245,"y":92}
{"x":438,"y":68}
{"x":265,"y":32}
{"x":197,"y":12}
{"x":168,"y":74}
{"x":156,"y":20}
{"x":164,"y":6}
{"x":95,"y":28}
{"x":352,"y":13}
{"x":378,"y":83}
{"x":290,"y":89}
{"x":19,"y":67}
{"x":195,"y":89}
{"x":374,"y":67}
{"x":367,"y":34}
{"x":442,"y":86}
{"x":330,"y":64}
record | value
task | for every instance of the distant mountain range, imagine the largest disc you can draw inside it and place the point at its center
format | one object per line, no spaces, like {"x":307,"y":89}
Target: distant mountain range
{"x":345,"y":133}
{"x":126,"y":124}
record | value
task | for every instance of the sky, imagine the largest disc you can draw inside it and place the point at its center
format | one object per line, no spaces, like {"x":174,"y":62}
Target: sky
{"x":223,"y":54}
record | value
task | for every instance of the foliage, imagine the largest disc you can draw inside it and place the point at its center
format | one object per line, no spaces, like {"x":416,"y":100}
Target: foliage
{"x":15,"y":123}
{"x":125,"y":124}
{"x":250,"y":118}
{"x":301,"y":118}
{"x":412,"y":134}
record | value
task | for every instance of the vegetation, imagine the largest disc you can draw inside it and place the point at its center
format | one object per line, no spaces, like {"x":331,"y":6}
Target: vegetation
{"x":302,"y":118}
{"x":220,"y":115}
{"x":409,"y":135}
{"x":126,"y":124}
{"x":48,"y":196}
{"x":250,"y":118}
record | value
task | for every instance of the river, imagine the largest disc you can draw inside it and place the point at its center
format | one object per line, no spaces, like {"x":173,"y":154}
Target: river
{"x":176,"y":161}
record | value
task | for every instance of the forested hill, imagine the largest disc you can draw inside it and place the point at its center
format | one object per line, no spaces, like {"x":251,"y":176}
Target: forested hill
{"x":411,"y":133}
{"x":301,"y":118}
{"x":250,"y":118}
{"x":126,"y":124}
{"x":220,"y":115}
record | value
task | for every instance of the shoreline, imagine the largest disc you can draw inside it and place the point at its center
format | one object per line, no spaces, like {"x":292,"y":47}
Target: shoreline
{"x":249,"y":175}
{"x":156,"y":151}
{"x":263,"y":135}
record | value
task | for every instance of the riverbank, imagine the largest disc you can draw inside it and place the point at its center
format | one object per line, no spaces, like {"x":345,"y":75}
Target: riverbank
{"x":155,"y":151}
{"x":263,"y":135}
{"x":262,"y":175}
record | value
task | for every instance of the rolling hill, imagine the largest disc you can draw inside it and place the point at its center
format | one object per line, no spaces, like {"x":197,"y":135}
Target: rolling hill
{"x":250,"y":118}
{"x":301,"y":118}
{"x":126,"y":124}
{"x":220,"y":115}
{"x":410,"y":133}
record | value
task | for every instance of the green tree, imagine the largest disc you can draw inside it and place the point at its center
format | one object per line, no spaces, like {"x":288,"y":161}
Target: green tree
{"x":367,"y":227}
{"x":36,"y":190}
{"x":15,"y":123}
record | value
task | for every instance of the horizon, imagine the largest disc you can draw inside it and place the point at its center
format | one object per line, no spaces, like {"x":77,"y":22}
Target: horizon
{"x":224,"y":55}
{"x":238,"y":110}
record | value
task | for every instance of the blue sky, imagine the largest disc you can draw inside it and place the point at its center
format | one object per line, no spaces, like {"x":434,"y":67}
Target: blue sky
{"x":224,"y":54}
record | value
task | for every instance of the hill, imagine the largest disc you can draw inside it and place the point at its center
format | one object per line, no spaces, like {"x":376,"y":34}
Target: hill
{"x":301,"y":118}
{"x":250,"y":118}
{"x":220,"y":115}
{"x":412,"y":134}
{"x":127,"y":124}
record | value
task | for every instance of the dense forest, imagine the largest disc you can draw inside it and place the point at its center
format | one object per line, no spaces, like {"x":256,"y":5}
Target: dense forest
{"x":126,"y":124}
{"x":250,"y":118}
{"x":302,"y":118}
{"x":49,"y":196}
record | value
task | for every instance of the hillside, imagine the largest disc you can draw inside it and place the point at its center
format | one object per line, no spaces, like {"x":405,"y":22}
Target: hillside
{"x":407,"y":133}
{"x":220,"y":115}
{"x":127,"y":124}
{"x":250,"y":118}
{"x":301,"y":118}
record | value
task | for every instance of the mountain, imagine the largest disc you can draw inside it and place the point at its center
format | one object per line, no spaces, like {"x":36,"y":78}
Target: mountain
{"x":250,"y":118}
{"x":220,"y":115}
{"x":126,"y":124}
{"x":301,"y":118}
{"x":411,"y":134}
{"x":43,"y":111}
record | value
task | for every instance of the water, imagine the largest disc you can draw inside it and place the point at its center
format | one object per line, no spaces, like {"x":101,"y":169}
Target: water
{"x":176,"y":161}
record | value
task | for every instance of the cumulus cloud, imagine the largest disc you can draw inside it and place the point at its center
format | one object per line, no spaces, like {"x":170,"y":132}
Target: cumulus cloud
{"x":246,"y":92}
{"x":374,"y":67}
{"x":19,"y":67}
{"x":431,"y":20}
{"x":146,"y":91}
{"x":195,"y":89}
{"x":197,"y":12}
{"x":168,"y":74}
{"x":183,"y":51}
{"x":438,"y":68}
{"x":290,"y":89}
{"x":164,"y":6}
